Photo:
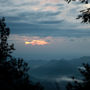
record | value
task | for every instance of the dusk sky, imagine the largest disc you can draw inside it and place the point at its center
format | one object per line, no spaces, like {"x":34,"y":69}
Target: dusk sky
{"x":51,"y":13}
{"x":46,"y":29}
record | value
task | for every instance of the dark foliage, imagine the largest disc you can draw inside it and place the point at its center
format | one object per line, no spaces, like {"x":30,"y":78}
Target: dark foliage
{"x":13,"y":72}
{"x":84,"y":84}
{"x":85,"y":16}
{"x":82,"y":1}
{"x":5,"y":48}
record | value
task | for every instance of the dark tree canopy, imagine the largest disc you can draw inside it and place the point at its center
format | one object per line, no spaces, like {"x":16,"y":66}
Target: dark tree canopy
{"x":82,"y":1}
{"x":13,"y":72}
{"x":5,"y":48}
{"x":85,"y":82}
{"x":85,"y":14}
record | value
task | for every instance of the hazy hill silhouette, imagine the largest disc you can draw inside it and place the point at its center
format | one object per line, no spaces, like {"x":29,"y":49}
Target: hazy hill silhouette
{"x":61,"y":71}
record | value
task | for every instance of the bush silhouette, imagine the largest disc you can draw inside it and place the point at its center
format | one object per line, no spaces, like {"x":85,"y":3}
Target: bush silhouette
{"x":13,"y":72}
{"x":84,"y":84}
{"x":82,"y":1}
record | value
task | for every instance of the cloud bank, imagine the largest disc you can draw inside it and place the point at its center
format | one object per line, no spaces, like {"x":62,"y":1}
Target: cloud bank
{"x":43,"y":12}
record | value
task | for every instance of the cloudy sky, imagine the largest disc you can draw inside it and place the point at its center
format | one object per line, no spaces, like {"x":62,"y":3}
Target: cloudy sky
{"x":50,"y":13}
{"x":46,"y":29}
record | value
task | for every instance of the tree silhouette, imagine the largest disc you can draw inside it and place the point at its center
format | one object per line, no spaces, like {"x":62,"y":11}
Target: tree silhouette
{"x":13,"y":72}
{"x":5,"y":48}
{"x":84,"y":84}
{"x":85,"y":14}
{"x":82,"y":1}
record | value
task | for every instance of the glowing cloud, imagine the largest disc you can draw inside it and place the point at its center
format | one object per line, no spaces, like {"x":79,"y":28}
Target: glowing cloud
{"x":36,"y":42}
{"x":50,"y":8}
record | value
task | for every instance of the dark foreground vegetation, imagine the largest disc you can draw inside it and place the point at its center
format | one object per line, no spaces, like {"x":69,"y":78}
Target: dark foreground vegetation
{"x":13,"y":71}
{"x":83,"y":84}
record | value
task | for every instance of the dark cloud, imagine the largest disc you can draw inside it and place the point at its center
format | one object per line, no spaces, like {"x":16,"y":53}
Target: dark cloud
{"x":45,"y":30}
{"x":51,"y":22}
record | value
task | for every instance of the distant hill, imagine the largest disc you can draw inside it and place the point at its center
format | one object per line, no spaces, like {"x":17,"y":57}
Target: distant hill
{"x":49,"y":72}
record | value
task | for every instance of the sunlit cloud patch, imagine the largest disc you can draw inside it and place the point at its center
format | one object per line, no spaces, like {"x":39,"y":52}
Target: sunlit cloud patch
{"x":36,"y":42}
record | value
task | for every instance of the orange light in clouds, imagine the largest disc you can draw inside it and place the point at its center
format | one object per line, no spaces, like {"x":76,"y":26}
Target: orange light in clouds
{"x":37,"y":42}
{"x":27,"y":42}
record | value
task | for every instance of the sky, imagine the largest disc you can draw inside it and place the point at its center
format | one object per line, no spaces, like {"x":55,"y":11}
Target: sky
{"x":46,"y":29}
{"x":50,"y":13}
{"x":50,"y":47}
